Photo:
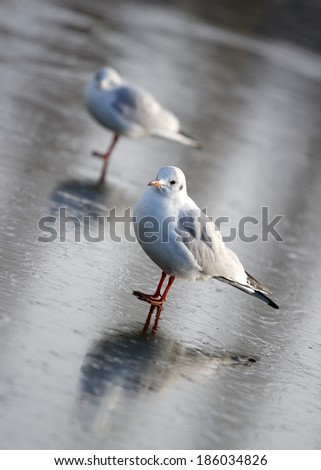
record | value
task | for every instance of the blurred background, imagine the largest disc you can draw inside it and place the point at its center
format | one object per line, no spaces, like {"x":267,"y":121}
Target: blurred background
{"x":223,"y":371}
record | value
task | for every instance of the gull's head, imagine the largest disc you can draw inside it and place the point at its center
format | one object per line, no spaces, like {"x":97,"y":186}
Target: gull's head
{"x":106,"y":78}
{"x":170,"y":182}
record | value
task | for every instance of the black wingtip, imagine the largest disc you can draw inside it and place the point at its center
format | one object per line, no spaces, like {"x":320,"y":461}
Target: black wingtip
{"x":273,"y":304}
{"x":258,"y":294}
{"x":264,"y":298}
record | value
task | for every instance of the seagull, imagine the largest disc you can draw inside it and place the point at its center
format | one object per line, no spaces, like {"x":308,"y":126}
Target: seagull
{"x":184,"y":242}
{"x":128,"y":110}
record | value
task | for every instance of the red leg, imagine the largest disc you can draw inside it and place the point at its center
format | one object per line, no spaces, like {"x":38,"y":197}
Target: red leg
{"x":105,"y":157}
{"x":150,"y":298}
{"x":169,"y":285}
{"x":160,"y":284}
{"x":155,"y":300}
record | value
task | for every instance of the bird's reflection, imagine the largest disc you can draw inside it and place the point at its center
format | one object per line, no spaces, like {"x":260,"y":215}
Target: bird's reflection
{"x":80,"y":197}
{"x":87,"y":198}
{"x":124,"y":367}
{"x":158,"y":311}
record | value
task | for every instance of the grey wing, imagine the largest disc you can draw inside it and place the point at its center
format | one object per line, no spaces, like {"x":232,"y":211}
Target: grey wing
{"x":204,"y":241}
{"x":199,"y":234}
{"x":141,"y":108}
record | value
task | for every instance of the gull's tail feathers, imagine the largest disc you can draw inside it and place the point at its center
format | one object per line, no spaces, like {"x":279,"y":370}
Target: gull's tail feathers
{"x":253,"y":287}
{"x":181,"y":137}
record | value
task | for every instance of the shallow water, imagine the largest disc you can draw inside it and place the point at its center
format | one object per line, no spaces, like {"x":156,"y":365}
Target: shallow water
{"x":219,"y":370}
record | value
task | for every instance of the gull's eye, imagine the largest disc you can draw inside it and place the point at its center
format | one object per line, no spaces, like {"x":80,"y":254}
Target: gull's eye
{"x":172,"y":182}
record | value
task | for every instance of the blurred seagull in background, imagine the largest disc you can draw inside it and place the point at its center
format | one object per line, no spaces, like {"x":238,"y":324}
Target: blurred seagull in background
{"x":184,"y":242}
{"x":131,"y":111}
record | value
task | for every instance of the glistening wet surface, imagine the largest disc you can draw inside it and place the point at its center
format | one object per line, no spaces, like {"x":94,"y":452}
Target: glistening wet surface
{"x":79,"y":367}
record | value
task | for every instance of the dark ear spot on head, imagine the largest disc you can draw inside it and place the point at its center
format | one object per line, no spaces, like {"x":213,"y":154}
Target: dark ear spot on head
{"x":181,"y":187}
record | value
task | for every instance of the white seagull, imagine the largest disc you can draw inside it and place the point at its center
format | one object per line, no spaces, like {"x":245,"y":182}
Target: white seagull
{"x":128,"y":110}
{"x":184,"y":242}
